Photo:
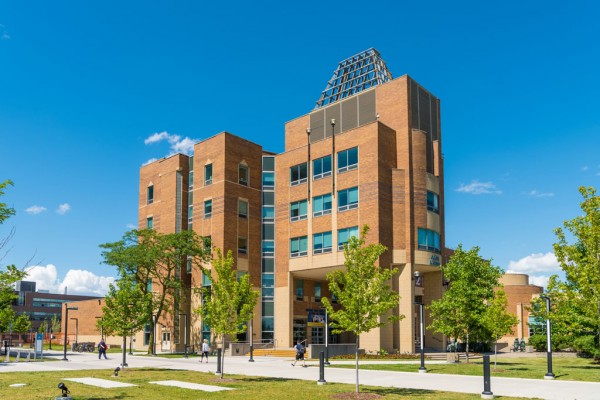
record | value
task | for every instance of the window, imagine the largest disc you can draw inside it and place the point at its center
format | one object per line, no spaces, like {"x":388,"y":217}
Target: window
{"x":322,"y":243}
{"x":150,"y":194}
{"x":191,"y":180}
{"x":348,"y":199}
{"x":433,"y":202}
{"x":242,"y":245}
{"x":206,"y":279}
{"x":268,"y":180}
{"x":298,"y":210}
{"x":243,"y":175}
{"x":207,"y":241}
{"x":322,"y":205}
{"x":268,"y":232}
{"x":345,"y":234}
{"x":149,"y":222}
{"x":208,"y":176}
{"x":299,"y":289}
{"x":318,"y":291}
{"x":298,"y":174}
{"x":268,"y":248}
{"x":428,"y":240}
{"x":189,"y":265}
{"x":190,"y":214}
{"x":299,"y":246}
{"x":242,"y":208}
{"x":348,"y":159}
{"x":268,"y":213}
{"x":207,"y":208}
{"x":321,"y":168}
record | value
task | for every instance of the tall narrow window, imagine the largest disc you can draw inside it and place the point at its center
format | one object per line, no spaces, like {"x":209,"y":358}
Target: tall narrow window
{"x":433,"y":202}
{"x":298,"y":174}
{"x":348,"y":199}
{"x":322,"y":205}
{"x":242,"y":208}
{"x":207,"y":208}
{"x":208,"y":175}
{"x":298,"y":210}
{"x":243,"y":175}
{"x":191,"y":180}
{"x":299,"y":289}
{"x":242,"y":245}
{"x":348,"y":159}
{"x":321,"y":167}
{"x":150,"y":194}
{"x":149,"y":222}
{"x":318,"y":291}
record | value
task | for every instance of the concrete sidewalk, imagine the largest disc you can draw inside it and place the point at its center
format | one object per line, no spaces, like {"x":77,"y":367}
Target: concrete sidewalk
{"x":281,"y":368}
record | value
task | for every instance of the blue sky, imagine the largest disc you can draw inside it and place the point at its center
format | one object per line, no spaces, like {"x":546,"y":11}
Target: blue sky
{"x":83,"y":87}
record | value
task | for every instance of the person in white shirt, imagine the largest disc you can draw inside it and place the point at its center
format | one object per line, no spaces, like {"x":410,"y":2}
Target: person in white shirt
{"x":205,"y":350}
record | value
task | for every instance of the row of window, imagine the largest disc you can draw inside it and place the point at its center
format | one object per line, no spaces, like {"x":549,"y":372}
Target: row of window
{"x":322,"y":242}
{"x":347,"y":160}
{"x":347,"y":200}
{"x":208,"y":208}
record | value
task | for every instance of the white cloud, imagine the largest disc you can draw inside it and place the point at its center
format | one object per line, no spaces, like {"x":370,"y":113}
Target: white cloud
{"x":76,"y":281}
{"x":176,"y":143}
{"x":35,"y":210}
{"x":535,"y":193}
{"x":63,"y":208}
{"x":5,"y":35}
{"x":476,"y":187}
{"x":131,"y":226}
{"x":149,"y":161}
{"x":536,"y":263}
{"x":585,"y":168}
{"x":539,"y":280}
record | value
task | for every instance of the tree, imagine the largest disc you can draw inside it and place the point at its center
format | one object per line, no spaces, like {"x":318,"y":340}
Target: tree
{"x":460,"y":313}
{"x":362,"y":290}
{"x":155,"y":260}
{"x":5,"y":210}
{"x":228,"y":304}
{"x":580,"y":260}
{"x":55,"y":325}
{"x":497,"y":321}
{"x":22,"y":324}
{"x":124,"y":310}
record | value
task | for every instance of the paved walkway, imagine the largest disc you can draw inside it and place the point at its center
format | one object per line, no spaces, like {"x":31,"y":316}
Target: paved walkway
{"x":281,"y":368}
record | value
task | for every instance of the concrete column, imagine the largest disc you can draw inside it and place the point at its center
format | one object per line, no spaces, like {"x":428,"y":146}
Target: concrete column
{"x":406,"y":290}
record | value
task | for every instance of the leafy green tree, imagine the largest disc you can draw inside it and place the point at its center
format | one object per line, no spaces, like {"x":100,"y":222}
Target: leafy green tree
{"x":124,"y":310}
{"x":21,"y":324}
{"x":55,"y":325}
{"x":460,"y":313}
{"x":43,"y":327}
{"x":156,"y":260}
{"x":5,"y":210}
{"x":229,"y":303}
{"x":497,"y":321}
{"x":362,"y":290}
{"x":580,"y":260}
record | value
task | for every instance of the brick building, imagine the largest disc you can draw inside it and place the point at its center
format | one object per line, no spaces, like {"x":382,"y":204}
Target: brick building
{"x":519,"y":293}
{"x":370,"y":153}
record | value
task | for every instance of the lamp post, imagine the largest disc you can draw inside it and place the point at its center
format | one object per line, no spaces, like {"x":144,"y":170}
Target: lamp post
{"x":549,"y":374}
{"x":251,"y":340}
{"x":154,"y":321}
{"x":185,"y":345}
{"x":326,"y":337}
{"x":422,"y":368}
{"x":67,"y":308}
{"x":76,"y":330}
{"x":50,"y":329}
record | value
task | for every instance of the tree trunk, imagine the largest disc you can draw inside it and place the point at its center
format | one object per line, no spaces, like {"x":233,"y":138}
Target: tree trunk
{"x":357,"y":363}
{"x":467,"y":348}
{"x":222,"y":356}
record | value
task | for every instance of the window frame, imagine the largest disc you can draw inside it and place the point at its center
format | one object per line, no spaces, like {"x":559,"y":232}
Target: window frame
{"x":242,"y":250}
{"x":299,"y":217}
{"x":321,"y":198}
{"x":150,"y":194}
{"x":240,"y":214}
{"x":301,"y":179}
{"x":323,"y":249}
{"x":208,"y":181}
{"x":343,"y":156}
{"x":348,"y":205}
{"x":299,"y":252}
{"x":208,"y":202}
{"x":322,"y":174}
{"x":434,"y":205}
{"x":431,"y":237}
{"x":348,"y":236}
{"x":246,"y":169}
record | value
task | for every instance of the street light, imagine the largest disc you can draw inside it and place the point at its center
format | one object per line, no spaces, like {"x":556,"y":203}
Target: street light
{"x":76,"y":330}
{"x":251,"y":340}
{"x":154,"y":321}
{"x":418,"y":282}
{"x":326,"y":337}
{"x":67,"y":308}
{"x":549,"y":374}
{"x":185,"y":345}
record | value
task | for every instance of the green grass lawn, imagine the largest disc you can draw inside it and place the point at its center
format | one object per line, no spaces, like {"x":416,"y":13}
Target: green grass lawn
{"x":565,"y":368}
{"x":43,"y":385}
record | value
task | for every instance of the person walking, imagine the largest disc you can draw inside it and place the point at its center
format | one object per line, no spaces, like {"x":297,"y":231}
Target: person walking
{"x":205,"y":350}
{"x":300,"y":350}
{"x":102,"y":349}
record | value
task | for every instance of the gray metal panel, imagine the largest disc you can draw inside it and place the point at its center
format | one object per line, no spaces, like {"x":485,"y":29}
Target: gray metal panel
{"x":366,"y":108}
{"x":333,"y":112}
{"x":350,"y":113}
{"x":435,"y":131}
{"x":317,"y":126}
